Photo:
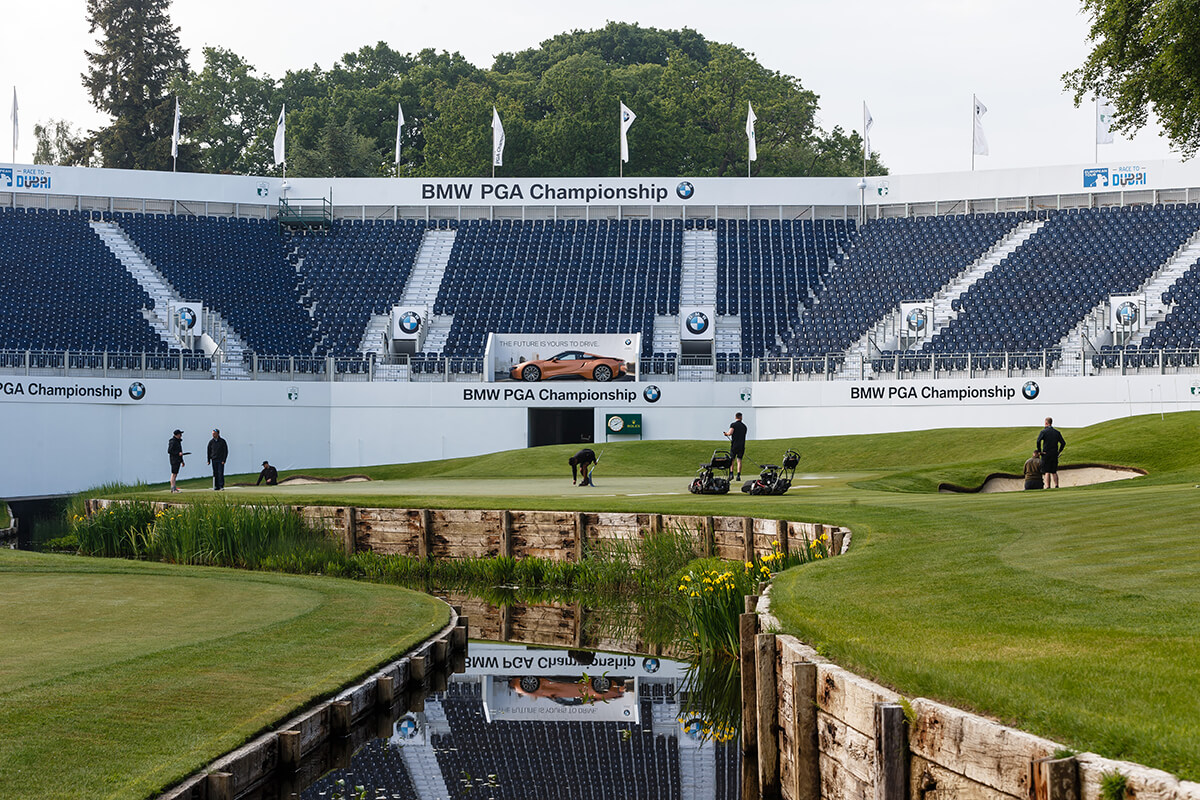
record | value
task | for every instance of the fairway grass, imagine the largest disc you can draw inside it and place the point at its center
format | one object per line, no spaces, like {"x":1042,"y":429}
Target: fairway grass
{"x":1073,"y":613}
{"x":119,"y":678}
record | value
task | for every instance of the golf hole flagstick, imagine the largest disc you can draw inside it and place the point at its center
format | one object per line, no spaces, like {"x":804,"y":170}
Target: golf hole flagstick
{"x":592,"y":467}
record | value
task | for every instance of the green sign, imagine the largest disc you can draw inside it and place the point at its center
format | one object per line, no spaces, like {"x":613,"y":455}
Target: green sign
{"x":623,"y":425}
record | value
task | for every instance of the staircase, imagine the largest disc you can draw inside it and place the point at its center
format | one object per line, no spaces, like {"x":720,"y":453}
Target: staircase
{"x":149,"y":278}
{"x":698,"y":273}
{"x":420,"y":291}
{"x":943,"y":314}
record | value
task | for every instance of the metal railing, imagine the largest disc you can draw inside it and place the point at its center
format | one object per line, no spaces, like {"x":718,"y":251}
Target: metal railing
{"x":695,"y":369}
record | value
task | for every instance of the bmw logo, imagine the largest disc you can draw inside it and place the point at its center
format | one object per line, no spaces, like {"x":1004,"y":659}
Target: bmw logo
{"x":916,"y":320}
{"x":187,"y":317}
{"x":410,"y":322}
{"x":407,"y":727}
{"x":137,"y":390}
{"x":1030,"y":390}
{"x":697,"y":323}
{"x":651,"y":393}
{"x":1127,"y":314}
{"x":651,"y":665}
{"x":628,"y":342}
{"x":685,"y":190}
{"x":694,"y":728}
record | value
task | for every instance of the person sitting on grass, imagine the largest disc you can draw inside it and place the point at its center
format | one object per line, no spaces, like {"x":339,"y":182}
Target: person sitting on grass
{"x":1033,"y":471}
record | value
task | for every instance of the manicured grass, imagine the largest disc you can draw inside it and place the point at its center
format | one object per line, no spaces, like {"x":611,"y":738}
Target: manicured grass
{"x":1074,"y":614}
{"x":119,"y":678}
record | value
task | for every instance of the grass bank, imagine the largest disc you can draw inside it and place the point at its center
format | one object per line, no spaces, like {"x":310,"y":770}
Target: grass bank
{"x":118,"y":678}
{"x":1074,"y":614}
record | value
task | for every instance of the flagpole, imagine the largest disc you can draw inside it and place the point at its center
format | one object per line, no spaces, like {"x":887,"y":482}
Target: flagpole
{"x":620,"y":162}
{"x":864,"y":138}
{"x":1096,"y":134}
{"x":974,"y":103}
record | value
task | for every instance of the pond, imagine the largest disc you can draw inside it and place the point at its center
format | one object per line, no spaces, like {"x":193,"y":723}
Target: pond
{"x":533,"y":722}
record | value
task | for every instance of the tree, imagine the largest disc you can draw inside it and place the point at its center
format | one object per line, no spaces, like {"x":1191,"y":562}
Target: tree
{"x":57,"y":143}
{"x":136,"y":57}
{"x":1146,"y":55}
{"x":225,"y":111}
{"x":340,"y":153}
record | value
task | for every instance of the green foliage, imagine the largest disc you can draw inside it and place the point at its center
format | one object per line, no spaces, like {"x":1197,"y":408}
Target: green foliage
{"x":1145,"y":57}
{"x":57,"y":142}
{"x":1113,"y":786}
{"x":136,"y":56}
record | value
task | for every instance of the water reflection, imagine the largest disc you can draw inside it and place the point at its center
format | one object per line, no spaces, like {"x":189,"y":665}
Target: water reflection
{"x":531,"y":722}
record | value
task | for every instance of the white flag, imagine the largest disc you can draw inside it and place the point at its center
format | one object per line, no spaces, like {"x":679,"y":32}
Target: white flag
{"x":750,"y":118}
{"x":627,"y":118}
{"x":868,"y":121}
{"x":399,"y":126}
{"x":175,"y":133}
{"x":279,"y":137}
{"x":1104,"y":117}
{"x":979,"y":144}
{"x":497,"y":139}
{"x":14,"y":120}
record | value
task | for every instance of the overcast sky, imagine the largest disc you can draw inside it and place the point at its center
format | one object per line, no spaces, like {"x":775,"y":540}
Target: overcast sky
{"x":915,"y":62}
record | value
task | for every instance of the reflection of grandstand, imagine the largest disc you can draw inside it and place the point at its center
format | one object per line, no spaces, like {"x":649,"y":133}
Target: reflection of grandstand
{"x":451,"y":751}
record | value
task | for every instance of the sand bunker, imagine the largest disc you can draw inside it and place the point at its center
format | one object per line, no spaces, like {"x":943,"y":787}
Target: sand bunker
{"x":296,"y":480}
{"x":1068,"y":475}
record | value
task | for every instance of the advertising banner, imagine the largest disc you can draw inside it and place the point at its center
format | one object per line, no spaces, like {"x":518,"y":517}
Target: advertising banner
{"x":506,"y":350}
{"x":623,"y":425}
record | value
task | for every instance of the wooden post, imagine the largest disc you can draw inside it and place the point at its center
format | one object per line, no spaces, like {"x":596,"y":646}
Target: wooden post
{"x":836,"y":541}
{"x":458,"y":639}
{"x":385,"y":690}
{"x":656,"y":523}
{"x":426,"y":534}
{"x":748,"y":538}
{"x":289,"y":748}
{"x":580,"y":530}
{"x":752,"y":603}
{"x":806,"y":755}
{"x":1056,"y":779}
{"x":465,"y":624}
{"x":768,"y":716}
{"x":505,"y":623}
{"x":891,"y":752}
{"x":506,"y":548}
{"x":781,"y":535}
{"x":747,"y":630}
{"x":418,"y":668}
{"x":339,"y":718}
{"x":577,"y":633}
{"x":710,"y":528}
{"x":348,"y":532}
{"x":441,"y":651}
{"x":220,"y":786}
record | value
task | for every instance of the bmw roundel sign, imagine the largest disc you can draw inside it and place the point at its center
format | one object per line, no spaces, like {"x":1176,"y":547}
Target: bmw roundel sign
{"x":1030,"y":390}
{"x":917,"y":320}
{"x":187,"y":317}
{"x":410,"y":323}
{"x":685,"y":190}
{"x":697,"y":323}
{"x":652,"y":393}
{"x":137,"y":390}
{"x":1127,"y":314}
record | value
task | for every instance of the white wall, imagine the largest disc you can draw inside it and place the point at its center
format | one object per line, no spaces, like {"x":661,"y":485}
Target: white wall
{"x":55,"y":445}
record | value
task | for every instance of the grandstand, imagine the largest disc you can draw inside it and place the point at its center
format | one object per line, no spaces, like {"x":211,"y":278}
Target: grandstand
{"x":970,"y":294}
{"x":452,"y":750}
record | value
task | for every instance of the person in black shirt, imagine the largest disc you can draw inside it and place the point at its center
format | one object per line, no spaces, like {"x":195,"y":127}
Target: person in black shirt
{"x":1051,"y":443}
{"x":175,"y":453}
{"x":268,"y":474}
{"x":737,"y":442}
{"x":218,"y":451}
{"x":585,"y":459}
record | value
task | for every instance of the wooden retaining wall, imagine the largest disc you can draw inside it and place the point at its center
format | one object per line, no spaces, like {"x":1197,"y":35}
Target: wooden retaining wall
{"x":337,"y":723}
{"x":839,"y":736}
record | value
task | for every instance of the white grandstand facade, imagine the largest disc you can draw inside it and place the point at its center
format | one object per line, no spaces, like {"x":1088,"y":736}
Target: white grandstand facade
{"x":947,"y":356}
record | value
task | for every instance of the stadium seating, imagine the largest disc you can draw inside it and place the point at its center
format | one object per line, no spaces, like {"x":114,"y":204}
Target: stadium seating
{"x":1033,"y":298}
{"x":238,"y":267}
{"x":63,"y":289}
{"x":564,"y":276}
{"x":351,"y":272}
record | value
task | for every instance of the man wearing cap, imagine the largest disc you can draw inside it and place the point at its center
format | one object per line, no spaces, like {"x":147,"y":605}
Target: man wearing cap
{"x":218,"y":451}
{"x":268,"y":474}
{"x":175,"y":453}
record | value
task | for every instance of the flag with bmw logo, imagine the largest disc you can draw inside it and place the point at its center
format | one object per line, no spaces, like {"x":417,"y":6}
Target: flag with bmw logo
{"x":697,"y":323}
